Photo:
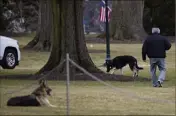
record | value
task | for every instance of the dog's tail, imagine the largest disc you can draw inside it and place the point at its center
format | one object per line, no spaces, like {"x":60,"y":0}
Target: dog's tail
{"x":139,"y":68}
{"x":134,"y":65}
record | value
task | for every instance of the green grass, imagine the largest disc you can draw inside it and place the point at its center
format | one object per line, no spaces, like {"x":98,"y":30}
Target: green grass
{"x":24,"y":40}
{"x":91,"y":97}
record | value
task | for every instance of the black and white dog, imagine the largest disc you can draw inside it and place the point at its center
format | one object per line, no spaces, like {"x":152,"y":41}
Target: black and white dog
{"x":120,"y":61}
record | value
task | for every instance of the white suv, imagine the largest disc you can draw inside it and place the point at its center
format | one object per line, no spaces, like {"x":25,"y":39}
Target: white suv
{"x":9,"y":52}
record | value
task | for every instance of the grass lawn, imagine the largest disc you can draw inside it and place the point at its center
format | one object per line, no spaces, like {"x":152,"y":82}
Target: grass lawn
{"x":89,"y":97}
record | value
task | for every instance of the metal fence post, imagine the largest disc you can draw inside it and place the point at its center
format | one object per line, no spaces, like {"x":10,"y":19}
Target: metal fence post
{"x":107,"y":33}
{"x":67,"y":84}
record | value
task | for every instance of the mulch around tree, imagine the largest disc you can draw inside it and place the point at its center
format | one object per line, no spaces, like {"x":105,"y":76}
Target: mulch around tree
{"x":80,"y":76}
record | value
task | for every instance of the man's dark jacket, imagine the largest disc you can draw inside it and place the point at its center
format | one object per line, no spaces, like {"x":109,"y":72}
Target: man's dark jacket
{"x":155,"y":46}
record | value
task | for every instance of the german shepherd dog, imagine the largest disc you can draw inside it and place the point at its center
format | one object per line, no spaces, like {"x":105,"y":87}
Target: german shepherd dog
{"x":120,"y":61}
{"x":37,"y":98}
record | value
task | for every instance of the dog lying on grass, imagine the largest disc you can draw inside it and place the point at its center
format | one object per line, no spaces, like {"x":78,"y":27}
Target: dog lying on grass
{"x":37,"y":98}
{"x":120,"y":61}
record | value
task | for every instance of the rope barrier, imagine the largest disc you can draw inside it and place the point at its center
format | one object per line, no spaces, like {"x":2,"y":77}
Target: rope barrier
{"x":128,"y":93}
{"x":34,"y":83}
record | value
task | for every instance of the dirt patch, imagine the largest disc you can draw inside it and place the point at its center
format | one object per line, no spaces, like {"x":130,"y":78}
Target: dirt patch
{"x":80,"y":76}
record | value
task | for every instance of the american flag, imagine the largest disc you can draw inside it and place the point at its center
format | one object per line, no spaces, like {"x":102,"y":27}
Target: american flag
{"x":103,"y":12}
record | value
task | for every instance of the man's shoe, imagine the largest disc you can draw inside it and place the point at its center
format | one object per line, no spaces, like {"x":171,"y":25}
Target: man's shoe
{"x":159,"y":84}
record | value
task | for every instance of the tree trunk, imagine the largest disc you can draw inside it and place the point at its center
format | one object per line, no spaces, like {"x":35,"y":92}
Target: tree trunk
{"x":127,"y":20}
{"x":68,"y":37}
{"x":42,"y":40}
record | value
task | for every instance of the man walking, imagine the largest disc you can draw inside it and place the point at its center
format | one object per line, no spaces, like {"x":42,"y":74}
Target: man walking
{"x":155,"y":47}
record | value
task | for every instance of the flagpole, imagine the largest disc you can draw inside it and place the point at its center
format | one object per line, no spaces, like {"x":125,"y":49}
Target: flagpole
{"x":107,"y":33}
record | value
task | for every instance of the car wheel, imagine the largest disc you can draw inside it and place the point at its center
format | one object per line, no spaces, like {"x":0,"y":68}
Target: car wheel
{"x":9,"y":59}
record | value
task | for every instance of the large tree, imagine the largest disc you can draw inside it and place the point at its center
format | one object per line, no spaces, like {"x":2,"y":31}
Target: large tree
{"x":127,"y":20}
{"x":68,"y":37}
{"x":42,"y":39}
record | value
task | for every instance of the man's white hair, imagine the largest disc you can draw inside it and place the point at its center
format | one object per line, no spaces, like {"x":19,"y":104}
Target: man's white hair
{"x":155,"y":30}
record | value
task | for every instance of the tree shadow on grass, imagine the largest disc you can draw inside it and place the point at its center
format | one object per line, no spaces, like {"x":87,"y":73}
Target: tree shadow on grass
{"x":79,"y":76}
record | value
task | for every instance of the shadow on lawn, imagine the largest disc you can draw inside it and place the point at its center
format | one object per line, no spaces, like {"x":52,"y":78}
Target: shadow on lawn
{"x":79,"y":76}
